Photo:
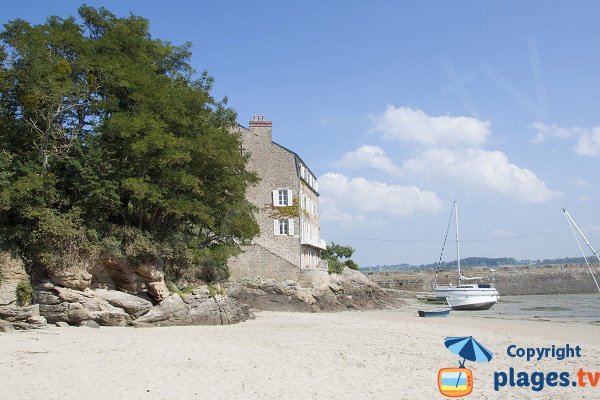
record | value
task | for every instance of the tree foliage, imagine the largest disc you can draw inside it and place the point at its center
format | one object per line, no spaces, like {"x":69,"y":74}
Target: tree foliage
{"x":111,"y":144}
{"x":338,"y":257}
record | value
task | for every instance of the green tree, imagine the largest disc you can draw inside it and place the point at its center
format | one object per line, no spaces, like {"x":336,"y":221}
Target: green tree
{"x":338,"y":257}
{"x":111,"y":144}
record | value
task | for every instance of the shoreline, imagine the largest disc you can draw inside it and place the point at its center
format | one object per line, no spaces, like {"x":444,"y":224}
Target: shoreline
{"x":385,"y":354}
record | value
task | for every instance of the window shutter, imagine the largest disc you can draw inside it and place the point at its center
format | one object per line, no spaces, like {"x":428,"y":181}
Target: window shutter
{"x":276,"y":227}
{"x":275,"y":197}
{"x":291,"y":226}
{"x":290,"y":200}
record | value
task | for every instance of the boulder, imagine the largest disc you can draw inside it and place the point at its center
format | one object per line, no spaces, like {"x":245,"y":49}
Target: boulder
{"x":6,"y":327}
{"x":305,"y":296}
{"x":14,"y":313}
{"x":22,"y":318}
{"x":269,"y":301}
{"x":155,"y":281}
{"x":37,"y":321}
{"x":196,"y":309}
{"x":116,"y":273}
{"x":73,"y":306}
{"x":89,"y":324}
{"x":205,"y":312}
{"x":135,"y":306}
{"x":231,"y":312}
{"x":171,"y":311}
{"x":73,"y":277}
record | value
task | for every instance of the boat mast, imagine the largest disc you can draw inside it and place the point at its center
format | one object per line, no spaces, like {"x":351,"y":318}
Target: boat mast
{"x":457,"y":243}
{"x":586,"y":242}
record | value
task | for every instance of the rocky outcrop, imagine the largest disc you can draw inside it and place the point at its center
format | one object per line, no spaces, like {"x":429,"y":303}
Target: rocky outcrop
{"x":74,"y":306}
{"x":12,"y":271}
{"x":115,"y":308}
{"x":74,"y":277}
{"x":112,"y":273}
{"x":199,"y":308}
{"x":21,"y":318}
{"x":109,"y":292}
{"x":319,"y":291}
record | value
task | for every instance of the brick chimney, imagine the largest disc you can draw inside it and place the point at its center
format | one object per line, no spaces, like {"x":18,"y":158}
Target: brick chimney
{"x":261,"y":129}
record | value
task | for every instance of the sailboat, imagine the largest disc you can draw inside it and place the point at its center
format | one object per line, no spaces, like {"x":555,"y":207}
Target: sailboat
{"x":464,"y":296}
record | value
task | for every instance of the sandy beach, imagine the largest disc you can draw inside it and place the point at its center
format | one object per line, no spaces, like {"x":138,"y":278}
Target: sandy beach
{"x":390,"y":354}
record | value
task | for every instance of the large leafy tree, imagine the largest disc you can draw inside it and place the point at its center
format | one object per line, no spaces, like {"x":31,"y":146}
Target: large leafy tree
{"x":111,"y":145}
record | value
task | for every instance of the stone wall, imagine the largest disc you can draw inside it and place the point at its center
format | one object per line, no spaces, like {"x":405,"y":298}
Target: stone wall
{"x":257,"y":261}
{"x":554,"y":279}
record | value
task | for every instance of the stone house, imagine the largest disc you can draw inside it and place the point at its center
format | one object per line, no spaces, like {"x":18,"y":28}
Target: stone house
{"x":287,"y":198}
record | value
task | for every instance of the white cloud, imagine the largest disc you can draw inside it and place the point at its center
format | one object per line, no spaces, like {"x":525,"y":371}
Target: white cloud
{"x":371,"y":157}
{"x":589,"y":143}
{"x":349,"y":200}
{"x":409,"y":124}
{"x":544,"y":131}
{"x":579,"y":183}
{"x":481,"y":169}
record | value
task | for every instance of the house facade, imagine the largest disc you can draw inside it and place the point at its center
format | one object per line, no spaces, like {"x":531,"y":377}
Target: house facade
{"x":287,"y":198}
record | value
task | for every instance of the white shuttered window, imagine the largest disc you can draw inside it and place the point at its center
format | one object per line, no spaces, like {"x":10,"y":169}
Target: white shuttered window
{"x":282,"y":197}
{"x":283,"y":226}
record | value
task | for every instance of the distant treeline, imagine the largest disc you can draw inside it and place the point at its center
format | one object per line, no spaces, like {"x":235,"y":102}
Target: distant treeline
{"x":479,"y":262}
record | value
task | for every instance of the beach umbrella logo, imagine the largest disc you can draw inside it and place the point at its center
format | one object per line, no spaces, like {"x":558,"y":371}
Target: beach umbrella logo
{"x":458,"y":382}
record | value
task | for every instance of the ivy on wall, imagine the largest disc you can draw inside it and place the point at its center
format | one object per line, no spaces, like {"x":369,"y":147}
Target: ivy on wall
{"x":284,"y":211}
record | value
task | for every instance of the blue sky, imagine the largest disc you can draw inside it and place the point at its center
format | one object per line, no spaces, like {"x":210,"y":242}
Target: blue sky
{"x":403,"y":107}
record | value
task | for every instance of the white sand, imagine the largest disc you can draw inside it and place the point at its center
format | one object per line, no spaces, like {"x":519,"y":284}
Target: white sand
{"x":349,"y":355}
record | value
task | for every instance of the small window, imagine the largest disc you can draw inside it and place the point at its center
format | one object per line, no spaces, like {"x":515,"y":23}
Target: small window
{"x":282,"y":197}
{"x":284,"y":226}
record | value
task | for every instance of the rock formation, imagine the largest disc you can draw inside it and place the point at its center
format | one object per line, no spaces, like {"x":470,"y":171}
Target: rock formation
{"x":115,"y":308}
{"x":109,"y":292}
{"x":27,"y":317}
{"x":113,"y":293}
{"x":12,"y":271}
{"x":319,"y":291}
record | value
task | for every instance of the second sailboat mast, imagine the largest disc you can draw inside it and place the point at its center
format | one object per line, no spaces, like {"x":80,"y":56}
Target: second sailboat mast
{"x":457,"y":243}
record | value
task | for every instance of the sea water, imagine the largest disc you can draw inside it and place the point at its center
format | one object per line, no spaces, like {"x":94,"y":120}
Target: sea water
{"x":561,"y":307}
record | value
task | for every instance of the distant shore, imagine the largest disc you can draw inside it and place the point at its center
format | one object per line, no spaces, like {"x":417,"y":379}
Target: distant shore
{"x":391,"y":354}
{"x":518,"y":280}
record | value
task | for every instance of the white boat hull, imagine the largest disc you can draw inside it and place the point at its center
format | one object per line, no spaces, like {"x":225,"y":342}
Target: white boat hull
{"x":441,"y":293}
{"x":472,"y":302}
